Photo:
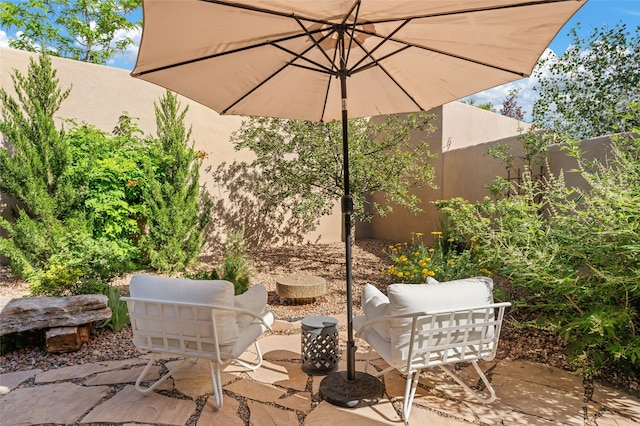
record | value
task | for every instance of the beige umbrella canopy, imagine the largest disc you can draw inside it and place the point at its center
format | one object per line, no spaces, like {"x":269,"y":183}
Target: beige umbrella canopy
{"x":298,"y":59}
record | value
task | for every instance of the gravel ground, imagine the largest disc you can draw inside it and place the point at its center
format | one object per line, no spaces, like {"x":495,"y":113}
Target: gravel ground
{"x":325,"y":260}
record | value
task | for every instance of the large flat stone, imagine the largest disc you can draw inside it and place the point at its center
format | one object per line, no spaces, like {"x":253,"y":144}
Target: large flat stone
{"x":33,"y":313}
{"x":10,"y":381}
{"x":301,"y":287}
{"x":254,"y":390}
{"x":540,"y":400}
{"x":284,"y":374}
{"x":129,"y":375}
{"x":60,"y":403}
{"x":290,"y":326}
{"x":281,"y":347}
{"x":226,"y":416}
{"x":129,"y":405}
{"x":541,"y":374}
{"x":266,"y":415}
{"x":380,"y":414}
{"x":300,"y":401}
{"x":497,"y":414}
{"x":626,"y":405}
{"x":81,"y":371}
{"x":194,"y":379}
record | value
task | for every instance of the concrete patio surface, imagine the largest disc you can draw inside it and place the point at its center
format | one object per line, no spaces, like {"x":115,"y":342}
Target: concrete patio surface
{"x":280,"y":393}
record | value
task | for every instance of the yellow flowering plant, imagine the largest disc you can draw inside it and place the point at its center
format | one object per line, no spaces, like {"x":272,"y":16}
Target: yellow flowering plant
{"x":413,"y":263}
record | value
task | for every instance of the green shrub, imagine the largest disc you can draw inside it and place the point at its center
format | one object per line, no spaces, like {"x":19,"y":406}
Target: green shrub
{"x":413,"y":263}
{"x":235,"y":266}
{"x":573,"y":255}
{"x":177,"y":208}
{"x":91,"y":204}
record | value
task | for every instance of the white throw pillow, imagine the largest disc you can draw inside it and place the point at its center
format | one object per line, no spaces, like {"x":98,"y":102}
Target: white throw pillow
{"x":376,"y":305}
{"x":254,"y":300}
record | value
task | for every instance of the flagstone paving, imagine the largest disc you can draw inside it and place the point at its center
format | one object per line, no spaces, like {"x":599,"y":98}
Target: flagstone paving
{"x":280,"y":393}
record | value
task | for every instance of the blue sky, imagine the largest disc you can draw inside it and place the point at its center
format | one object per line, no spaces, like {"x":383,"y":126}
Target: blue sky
{"x":594,"y":14}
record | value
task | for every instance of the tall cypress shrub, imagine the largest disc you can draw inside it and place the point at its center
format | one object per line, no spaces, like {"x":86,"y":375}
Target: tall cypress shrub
{"x":178,"y":210}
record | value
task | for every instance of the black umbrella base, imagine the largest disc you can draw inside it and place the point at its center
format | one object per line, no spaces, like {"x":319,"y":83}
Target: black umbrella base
{"x":364,"y":390}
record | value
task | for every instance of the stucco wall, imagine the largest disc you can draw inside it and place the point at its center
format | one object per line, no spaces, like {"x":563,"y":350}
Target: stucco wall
{"x":463,"y":133}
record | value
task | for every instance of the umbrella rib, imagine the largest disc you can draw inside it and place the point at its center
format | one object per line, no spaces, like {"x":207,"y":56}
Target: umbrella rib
{"x":470,"y":10}
{"x":382,"y":42}
{"x":430,"y":49}
{"x":379,"y":65}
{"x":227,"y":52}
{"x":289,"y":63}
{"x":356,"y":6}
{"x":316,"y":43}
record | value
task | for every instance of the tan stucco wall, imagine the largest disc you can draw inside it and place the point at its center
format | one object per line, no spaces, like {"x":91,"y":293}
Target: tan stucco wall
{"x":463,"y":133}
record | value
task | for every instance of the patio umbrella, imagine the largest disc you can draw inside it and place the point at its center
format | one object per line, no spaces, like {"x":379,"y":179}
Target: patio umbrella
{"x":298,"y":59}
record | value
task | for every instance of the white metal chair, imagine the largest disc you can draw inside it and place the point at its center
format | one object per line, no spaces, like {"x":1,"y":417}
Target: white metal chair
{"x":196,"y":320}
{"x":432,"y":325}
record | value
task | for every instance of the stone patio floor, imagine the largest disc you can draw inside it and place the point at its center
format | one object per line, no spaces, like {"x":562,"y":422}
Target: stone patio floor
{"x":280,"y":393}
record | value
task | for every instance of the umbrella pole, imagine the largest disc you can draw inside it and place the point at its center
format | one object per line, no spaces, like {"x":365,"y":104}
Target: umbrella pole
{"x":355,"y":388}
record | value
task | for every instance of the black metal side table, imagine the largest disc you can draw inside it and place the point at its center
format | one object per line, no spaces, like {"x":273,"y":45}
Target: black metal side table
{"x":320,"y":350}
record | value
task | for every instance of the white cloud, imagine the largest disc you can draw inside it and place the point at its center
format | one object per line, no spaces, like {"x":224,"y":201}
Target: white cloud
{"x":526,"y":94}
{"x":4,"y":39}
{"x":126,"y":59}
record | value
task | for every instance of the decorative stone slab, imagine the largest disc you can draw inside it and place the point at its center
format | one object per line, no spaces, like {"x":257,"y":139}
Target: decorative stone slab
{"x":84,"y":370}
{"x":227,"y":416}
{"x":59,"y":403}
{"x":33,"y":313}
{"x":301,"y":288}
{"x":268,"y":415}
{"x":129,"y":405}
{"x":10,"y":381}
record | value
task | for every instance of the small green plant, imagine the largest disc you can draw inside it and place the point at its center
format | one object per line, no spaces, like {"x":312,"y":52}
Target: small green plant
{"x":235,"y":265}
{"x":413,"y":263}
{"x":119,"y":312}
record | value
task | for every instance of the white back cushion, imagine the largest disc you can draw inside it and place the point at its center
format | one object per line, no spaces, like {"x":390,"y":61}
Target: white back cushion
{"x":376,"y":305}
{"x":436,"y":296}
{"x":213,"y":292}
{"x":254,"y":300}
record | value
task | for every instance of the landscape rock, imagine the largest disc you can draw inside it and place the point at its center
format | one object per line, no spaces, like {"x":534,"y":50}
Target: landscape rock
{"x":33,"y":313}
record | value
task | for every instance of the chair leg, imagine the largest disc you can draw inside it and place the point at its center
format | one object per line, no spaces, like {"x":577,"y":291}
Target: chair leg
{"x":492,"y":393}
{"x":409,"y":394}
{"x":160,"y":380}
{"x":253,"y":365}
{"x":216,"y":382}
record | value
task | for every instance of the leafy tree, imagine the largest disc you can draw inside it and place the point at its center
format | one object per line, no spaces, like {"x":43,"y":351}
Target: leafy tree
{"x":34,"y":170}
{"x":86,"y":30}
{"x":587,"y":91}
{"x":510,"y":107}
{"x":487,"y":106}
{"x":175,"y":220}
{"x":301,"y":164}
